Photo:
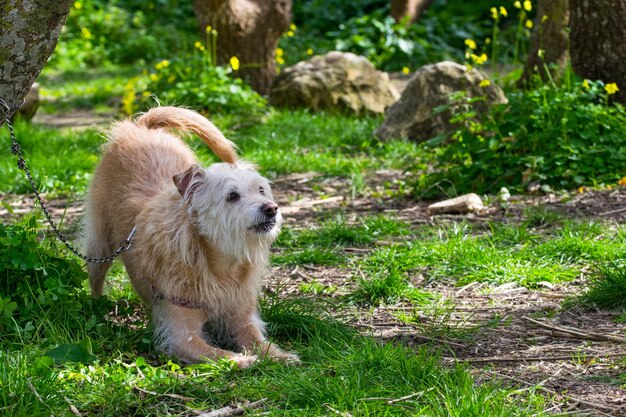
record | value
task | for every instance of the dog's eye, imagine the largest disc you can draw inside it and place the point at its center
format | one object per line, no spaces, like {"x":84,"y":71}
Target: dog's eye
{"x":261,"y":190}
{"x":232,"y":197}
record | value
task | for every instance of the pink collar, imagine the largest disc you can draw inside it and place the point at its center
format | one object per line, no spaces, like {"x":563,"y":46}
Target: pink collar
{"x":180,"y":302}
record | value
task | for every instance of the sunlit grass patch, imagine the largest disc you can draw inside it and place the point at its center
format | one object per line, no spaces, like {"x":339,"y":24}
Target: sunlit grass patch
{"x":61,"y":161}
{"x":69,"y":90}
{"x":608,"y":288}
{"x":296,"y":141}
{"x":325,"y":244}
{"x":496,"y":254}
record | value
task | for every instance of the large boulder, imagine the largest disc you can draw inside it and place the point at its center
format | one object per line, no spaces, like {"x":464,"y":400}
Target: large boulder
{"x":335,"y":81}
{"x":430,"y":87}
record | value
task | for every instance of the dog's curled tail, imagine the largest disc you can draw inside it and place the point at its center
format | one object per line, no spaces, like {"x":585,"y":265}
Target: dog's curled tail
{"x":189,"y":121}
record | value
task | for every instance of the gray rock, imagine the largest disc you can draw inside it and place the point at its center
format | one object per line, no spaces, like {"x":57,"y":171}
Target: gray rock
{"x":335,"y":81}
{"x":412,"y":116}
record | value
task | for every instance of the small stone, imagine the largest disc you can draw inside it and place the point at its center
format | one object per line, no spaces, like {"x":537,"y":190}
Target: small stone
{"x":468,"y":203}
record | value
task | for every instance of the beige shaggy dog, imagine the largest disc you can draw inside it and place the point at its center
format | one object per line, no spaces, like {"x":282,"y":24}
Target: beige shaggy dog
{"x":202,"y":240}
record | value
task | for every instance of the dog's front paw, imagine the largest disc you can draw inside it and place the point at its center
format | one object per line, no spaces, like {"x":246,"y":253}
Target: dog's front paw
{"x":287,"y":358}
{"x":244,"y":361}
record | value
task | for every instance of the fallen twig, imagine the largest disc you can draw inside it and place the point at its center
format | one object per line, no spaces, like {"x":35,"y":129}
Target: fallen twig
{"x":35,"y":393}
{"x":391,"y":401}
{"x":551,"y":392}
{"x":341,"y":413}
{"x":73,"y":409}
{"x":587,"y":335}
{"x":175,"y":396}
{"x":535,"y":358}
{"x":233,"y":411}
{"x":606,"y":213}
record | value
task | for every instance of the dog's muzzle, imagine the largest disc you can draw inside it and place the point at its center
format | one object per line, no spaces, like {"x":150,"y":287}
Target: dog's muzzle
{"x":267,"y":215}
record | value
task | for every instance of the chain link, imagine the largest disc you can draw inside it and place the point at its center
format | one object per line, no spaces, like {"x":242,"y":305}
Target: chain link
{"x":21,"y":163}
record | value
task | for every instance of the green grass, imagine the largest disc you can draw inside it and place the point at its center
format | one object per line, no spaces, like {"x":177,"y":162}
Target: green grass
{"x":497,"y":254}
{"x":97,"y":89}
{"x":608,"y":288}
{"x":341,"y":370}
{"x":61,"y":161}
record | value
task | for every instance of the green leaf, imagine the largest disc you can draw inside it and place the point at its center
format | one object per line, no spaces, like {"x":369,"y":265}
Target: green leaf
{"x":73,"y":352}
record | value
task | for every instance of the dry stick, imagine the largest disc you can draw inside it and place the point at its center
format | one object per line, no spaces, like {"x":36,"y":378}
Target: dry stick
{"x":344,"y":414}
{"x":534,"y":358}
{"x":606,"y":213}
{"x":391,"y":401}
{"x":73,"y":409}
{"x":175,"y":396}
{"x":551,"y":392}
{"x":584,"y":334}
{"x":236,"y":411}
{"x":35,"y":393}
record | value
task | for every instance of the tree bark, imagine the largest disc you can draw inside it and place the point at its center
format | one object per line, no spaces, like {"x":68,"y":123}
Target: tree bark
{"x":550,"y":36}
{"x":29,"y":30}
{"x":408,"y":9}
{"x":598,"y":41}
{"x":249,"y":30}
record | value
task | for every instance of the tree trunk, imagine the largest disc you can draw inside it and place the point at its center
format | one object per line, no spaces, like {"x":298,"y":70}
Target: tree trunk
{"x":550,"y":36}
{"x":408,"y":9}
{"x":28,"y":35}
{"x":249,"y":30}
{"x":598,"y":41}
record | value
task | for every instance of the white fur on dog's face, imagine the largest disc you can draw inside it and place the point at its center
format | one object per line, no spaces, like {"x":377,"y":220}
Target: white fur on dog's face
{"x":228,"y":201}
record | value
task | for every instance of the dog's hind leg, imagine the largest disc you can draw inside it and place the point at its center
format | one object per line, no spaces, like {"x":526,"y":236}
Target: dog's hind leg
{"x":96,"y":246}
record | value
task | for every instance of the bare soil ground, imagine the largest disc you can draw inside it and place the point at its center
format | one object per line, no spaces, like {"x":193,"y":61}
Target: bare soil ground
{"x":510,"y":334}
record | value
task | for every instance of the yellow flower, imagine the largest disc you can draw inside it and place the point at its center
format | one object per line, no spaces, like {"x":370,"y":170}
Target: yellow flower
{"x":622,"y":181}
{"x":479,"y":60}
{"x":280,"y":60}
{"x":405,"y":70}
{"x":581,"y":189}
{"x":198,"y":45}
{"x":611,"y":88}
{"x":290,"y":33}
{"x":503,"y":11}
{"x":208,"y":29}
{"x":163,"y":64}
{"x":234,"y":63}
{"x":292,"y":27}
{"x":544,"y":18}
{"x":529,"y":24}
{"x":279,"y":52}
{"x":85,"y":33}
{"x":154,"y":78}
{"x":146,"y":94}
{"x":484,"y":83}
{"x":586,"y":84}
{"x":517,"y":5}
{"x":528,"y":5}
{"x":309,"y":51}
{"x":470,"y":43}
{"x":487,"y":41}
{"x":77,"y":5}
{"x":494,"y":13}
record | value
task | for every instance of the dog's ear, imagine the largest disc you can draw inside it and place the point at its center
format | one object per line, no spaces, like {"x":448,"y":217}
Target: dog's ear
{"x":188,"y":182}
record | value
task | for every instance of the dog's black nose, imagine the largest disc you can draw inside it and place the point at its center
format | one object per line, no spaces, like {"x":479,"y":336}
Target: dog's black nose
{"x":269,"y":209}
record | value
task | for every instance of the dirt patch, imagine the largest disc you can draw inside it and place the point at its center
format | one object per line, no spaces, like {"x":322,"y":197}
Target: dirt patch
{"x":76,"y":119}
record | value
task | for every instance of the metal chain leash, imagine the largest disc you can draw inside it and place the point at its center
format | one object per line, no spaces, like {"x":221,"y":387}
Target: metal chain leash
{"x":21,"y":163}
